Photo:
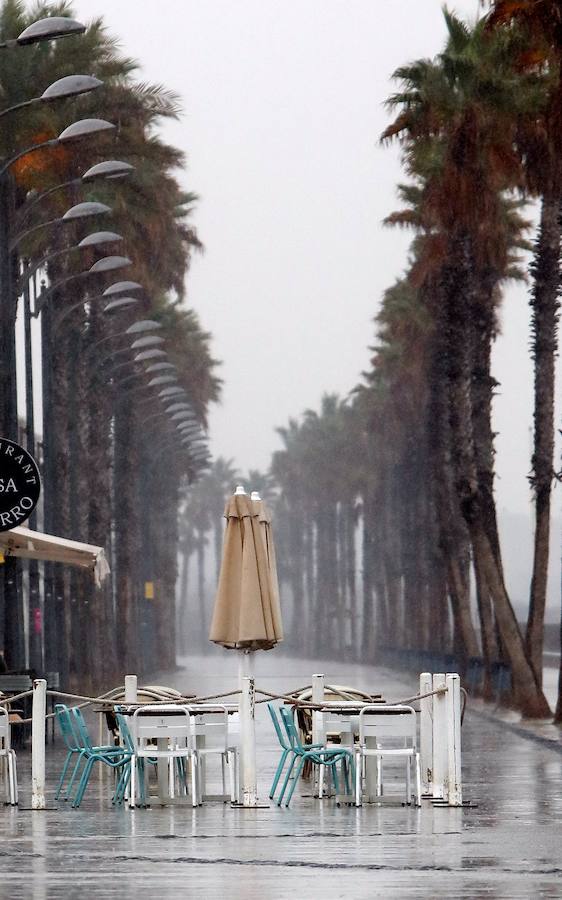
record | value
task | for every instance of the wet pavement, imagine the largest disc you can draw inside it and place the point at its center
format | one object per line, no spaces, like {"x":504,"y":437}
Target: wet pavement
{"x":507,"y":846}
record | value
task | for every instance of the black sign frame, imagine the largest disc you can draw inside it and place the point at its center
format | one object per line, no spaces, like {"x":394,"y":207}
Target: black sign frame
{"x":20,"y":484}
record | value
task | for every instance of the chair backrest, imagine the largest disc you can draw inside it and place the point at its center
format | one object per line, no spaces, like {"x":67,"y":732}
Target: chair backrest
{"x":153,"y":723}
{"x":281,"y":734}
{"x":80,"y":729}
{"x":4,"y":729}
{"x":387,"y":722}
{"x":124,"y":730}
{"x":291,"y":729}
{"x":338,"y":724}
{"x":212,"y":725}
{"x":67,"y":730}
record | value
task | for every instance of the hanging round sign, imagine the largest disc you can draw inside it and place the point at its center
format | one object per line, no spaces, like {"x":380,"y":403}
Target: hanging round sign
{"x":20,"y":484}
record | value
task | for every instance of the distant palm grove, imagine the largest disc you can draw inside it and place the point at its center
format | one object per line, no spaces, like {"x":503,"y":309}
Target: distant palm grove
{"x":384,"y":502}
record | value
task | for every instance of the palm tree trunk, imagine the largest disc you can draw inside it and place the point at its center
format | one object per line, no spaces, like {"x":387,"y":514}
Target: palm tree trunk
{"x":457,"y":283}
{"x":350,"y":559}
{"x":545,"y":305}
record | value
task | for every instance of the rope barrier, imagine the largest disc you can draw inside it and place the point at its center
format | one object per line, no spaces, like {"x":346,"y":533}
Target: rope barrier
{"x":15,"y":697}
{"x":105,"y":700}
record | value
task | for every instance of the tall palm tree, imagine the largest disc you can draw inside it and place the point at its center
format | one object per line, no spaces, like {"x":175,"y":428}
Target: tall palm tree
{"x":460,"y":108}
{"x":539,"y":22}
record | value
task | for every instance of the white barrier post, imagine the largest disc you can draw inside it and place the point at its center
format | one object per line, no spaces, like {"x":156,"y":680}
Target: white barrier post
{"x":38,"y":723}
{"x":440,"y":756}
{"x":248,"y":742}
{"x":426,"y":733}
{"x":318,"y":733}
{"x":453,"y":707}
{"x":131,"y":689}
{"x":318,"y":736}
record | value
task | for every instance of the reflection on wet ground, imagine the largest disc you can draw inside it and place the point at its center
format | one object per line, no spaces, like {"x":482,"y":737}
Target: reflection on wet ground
{"x":507,"y":847}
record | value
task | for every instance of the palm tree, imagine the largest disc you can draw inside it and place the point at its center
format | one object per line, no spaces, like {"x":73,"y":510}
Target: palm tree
{"x":91,"y":426}
{"x":541,"y":141}
{"x":460,"y":112}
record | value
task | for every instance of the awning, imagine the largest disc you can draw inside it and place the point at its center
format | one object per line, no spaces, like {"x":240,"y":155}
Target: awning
{"x":36,"y":545}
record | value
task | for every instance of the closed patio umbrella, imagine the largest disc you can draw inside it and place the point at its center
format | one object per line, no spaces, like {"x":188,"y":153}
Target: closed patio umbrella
{"x":247,"y":613}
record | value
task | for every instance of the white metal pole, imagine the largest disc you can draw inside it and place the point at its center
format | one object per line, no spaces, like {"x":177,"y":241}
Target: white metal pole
{"x":453,"y":706}
{"x":131,"y":689}
{"x":38,"y":723}
{"x":318,"y":736}
{"x":248,"y":743}
{"x":440,"y":758}
{"x":426,"y":733}
{"x":318,"y":733}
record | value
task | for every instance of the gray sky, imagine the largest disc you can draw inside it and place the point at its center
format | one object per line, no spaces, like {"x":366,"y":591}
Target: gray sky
{"x":283,"y":108}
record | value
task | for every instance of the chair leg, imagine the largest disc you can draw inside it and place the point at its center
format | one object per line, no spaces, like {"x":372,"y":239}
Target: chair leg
{"x":15,"y":777}
{"x":63,"y":773}
{"x":231,"y":761}
{"x":133,"y":782}
{"x":194,"y":779}
{"x":358,"y":773}
{"x":223,"y":775}
{"x":277,"y":775}
{"x":11,"y":791}
{"x":171,"y":782}
{"x":345,"y":766}
{"x":418,"y":779}
{"x":236,"y":775}
{"x":295,"y":779}
{"x":68,"y":792}
{"x":335,"y":781}
{"x":83,"y":783}
{"x":320,"y":782}
{"x":408,"y":780}
{"x":8,"y":778}
{"x":286,"y":780}
{"x":379,"y":777}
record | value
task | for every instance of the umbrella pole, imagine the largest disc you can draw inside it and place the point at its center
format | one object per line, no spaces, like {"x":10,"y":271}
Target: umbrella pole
{"x":248,"y":730}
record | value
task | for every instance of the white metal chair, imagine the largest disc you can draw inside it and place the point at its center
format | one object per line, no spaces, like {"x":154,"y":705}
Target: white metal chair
{"x":164,"y":733}
{"x":381,"y":727}
{"x":338,"y":730}
{"x":210,"y":735}
{"x":8,"y":759}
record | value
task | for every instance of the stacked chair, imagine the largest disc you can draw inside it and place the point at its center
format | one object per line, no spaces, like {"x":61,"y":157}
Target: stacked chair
{"x":384,"y":732}
{"x":79,"y":745}
{"x":293,"y":749}
{"x":8,"y":759}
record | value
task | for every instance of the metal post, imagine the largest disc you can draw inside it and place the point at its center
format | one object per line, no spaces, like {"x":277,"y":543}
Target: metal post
{"x":248,"y":743}
{"x":426,"y":733}
{"x":131,"y":689}
{"x":453,"y":707}
{"x":440,"y":757}
{"x":318,"y":732}
{"x":38,"y":727}
{"x":318,"y":736}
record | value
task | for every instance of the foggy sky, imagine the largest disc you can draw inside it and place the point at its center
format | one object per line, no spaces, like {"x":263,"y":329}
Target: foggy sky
{"x":283,"y":105}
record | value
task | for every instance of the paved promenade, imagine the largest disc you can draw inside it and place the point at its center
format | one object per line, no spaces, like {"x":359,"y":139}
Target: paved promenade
{"x":507,"y":847}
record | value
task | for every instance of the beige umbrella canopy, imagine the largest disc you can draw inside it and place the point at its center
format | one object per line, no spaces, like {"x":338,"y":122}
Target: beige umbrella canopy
{"x":247,"y":613}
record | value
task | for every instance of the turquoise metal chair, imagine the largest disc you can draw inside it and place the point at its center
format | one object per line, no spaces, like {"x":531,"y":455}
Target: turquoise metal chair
{"x":72,"y":744}
{"x":286,"y":748}
{"x":112,"y":756}
{"x":320,"y":756}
